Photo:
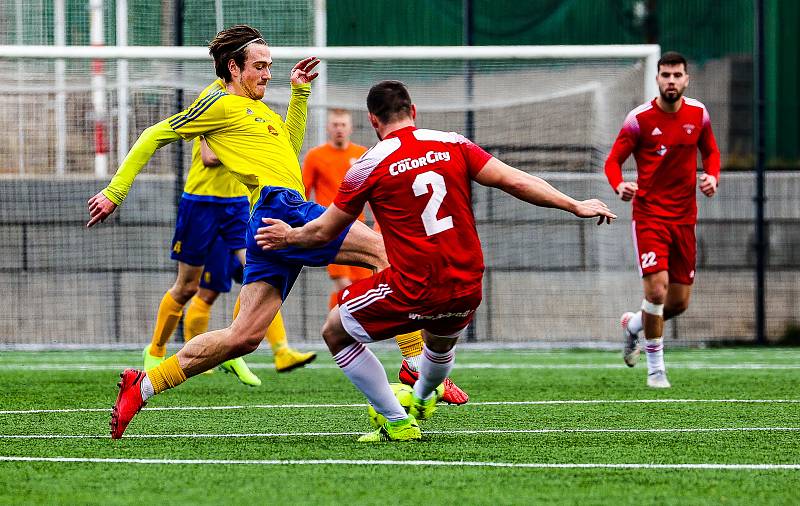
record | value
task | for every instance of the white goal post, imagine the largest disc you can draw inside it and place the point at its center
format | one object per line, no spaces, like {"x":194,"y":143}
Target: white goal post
{"x":647,"y":55}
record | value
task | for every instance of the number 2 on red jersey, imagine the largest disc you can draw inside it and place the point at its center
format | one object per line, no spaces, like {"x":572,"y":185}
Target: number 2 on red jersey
{"x":420,"y":185}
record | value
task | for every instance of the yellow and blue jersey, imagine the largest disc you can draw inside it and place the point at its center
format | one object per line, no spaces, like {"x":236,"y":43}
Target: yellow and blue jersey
{"x":214,"y":184}
{"x":253,"y":143}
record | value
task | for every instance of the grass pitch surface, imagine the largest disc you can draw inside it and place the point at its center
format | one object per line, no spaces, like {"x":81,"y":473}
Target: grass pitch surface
{"x":541,"y":426}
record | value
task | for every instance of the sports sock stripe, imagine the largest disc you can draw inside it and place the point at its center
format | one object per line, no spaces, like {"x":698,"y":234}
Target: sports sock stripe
{"x":350,"y":354}
{"x":438,"y":358}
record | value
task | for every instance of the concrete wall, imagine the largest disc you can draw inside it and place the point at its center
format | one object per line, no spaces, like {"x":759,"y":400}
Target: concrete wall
{"x":549,"y":276}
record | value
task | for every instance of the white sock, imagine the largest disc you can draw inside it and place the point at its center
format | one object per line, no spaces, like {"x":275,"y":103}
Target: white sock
{"x":413,"y":362}
{"x":433,"y":369}
{"x":146,"y":388}
{"x":365,"y":371}
{"x":655,"y":355}
{"x":635,"y":323}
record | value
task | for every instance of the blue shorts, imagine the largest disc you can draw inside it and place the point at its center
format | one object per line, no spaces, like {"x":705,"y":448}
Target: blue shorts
{"x":280,"y":268}
{"x":200,"y":222}
{"x":222,"y":266}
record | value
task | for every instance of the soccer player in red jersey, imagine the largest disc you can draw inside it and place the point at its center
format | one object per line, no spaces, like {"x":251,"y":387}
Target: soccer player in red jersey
{"x":324,"y":169}
{"x":417,"y":183}
{"x":664,"y":136}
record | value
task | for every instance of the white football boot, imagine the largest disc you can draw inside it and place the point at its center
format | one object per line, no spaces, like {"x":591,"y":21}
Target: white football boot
{"x":631,"y":351}
{"x":658,"y":379}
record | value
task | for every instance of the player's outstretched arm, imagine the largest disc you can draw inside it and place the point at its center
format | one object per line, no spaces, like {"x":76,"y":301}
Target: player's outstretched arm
{"x":100,"y":208}
{"x":104,"y":203}
{"x":539,"y":192}
{"x":318,"y":232}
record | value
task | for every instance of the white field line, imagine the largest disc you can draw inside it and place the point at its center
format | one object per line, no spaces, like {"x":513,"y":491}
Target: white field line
{"x":446,"y":432}
{"x":584,"y":366}
{"x":437,"y":463}
{"x":485,"y":403}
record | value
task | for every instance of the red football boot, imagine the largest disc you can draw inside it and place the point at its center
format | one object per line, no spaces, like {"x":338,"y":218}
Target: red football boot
{"x":129,"y":401}
{"x":452,"y":393}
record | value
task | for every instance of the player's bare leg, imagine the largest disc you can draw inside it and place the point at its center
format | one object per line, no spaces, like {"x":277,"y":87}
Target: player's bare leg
{"x":169,"y":312}
{"x":677,"y":300}
{"x":365,"y":371}
{"x":655,"y":293}
{"x":259,"y":303}
{"x":362,"y":247}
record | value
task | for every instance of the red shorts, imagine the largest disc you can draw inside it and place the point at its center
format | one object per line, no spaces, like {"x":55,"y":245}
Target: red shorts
{"x":662,"y":246}
{"x":371,"y":310}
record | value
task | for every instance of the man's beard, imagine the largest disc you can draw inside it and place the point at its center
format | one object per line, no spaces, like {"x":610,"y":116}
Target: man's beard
{"x":252,"y":93}
{"x":668,"y":99}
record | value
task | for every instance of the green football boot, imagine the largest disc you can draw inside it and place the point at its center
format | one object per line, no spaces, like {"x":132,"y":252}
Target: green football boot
{"x":422,"y":410}
{"x":150,"y":361}
{"x":239,"y":368}
{"x":401,"y":430}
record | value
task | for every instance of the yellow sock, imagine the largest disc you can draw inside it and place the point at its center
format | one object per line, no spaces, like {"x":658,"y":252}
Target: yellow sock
{"x":236,"y":308}
{"x":410,"y":344}
{"x":195,"y":321}
{"x":168,"y":374}
{"x":276,"y":333}
{"x":169,"y":314}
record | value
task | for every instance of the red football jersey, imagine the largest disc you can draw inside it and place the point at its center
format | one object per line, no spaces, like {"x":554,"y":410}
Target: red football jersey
{"x":665,"y":148}
{"x":417,"y":183}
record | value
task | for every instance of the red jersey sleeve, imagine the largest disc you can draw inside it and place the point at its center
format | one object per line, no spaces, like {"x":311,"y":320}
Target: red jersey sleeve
{"x":474,"y":155}
{"x":708,"y":148}
{"x":623,"y":147}
{"x":355,"y":190}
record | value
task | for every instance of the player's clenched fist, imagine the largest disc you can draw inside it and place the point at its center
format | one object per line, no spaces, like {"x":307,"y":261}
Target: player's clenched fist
{"x":708,"y":185}
{"x":626,"y":190}
{"x":100,"y":208}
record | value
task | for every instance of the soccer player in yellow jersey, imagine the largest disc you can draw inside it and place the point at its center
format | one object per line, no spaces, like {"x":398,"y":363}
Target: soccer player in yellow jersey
{"x":261,"y":151}
{"x":210,"y":228}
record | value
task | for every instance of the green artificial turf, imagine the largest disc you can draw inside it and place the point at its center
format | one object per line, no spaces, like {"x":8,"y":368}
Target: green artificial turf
{"x":240,"y":453}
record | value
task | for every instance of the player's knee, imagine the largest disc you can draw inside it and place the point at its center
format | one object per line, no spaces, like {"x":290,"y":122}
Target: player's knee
{"x":656,"y":294}
{"x":183,"y":292}
{"x":676,"y":308}
{"x":246,"y":341}
{"x":440,"y":344}
{"x":335,"y":337}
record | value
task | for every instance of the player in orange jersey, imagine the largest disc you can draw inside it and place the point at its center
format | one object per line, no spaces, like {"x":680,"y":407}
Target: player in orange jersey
{"x":324,"y":168}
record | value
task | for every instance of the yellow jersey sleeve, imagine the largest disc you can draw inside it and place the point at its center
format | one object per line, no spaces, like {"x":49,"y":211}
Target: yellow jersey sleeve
{"x":296,"y":114}
{"x":206,"y":115}
{"x":149,"y":141}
